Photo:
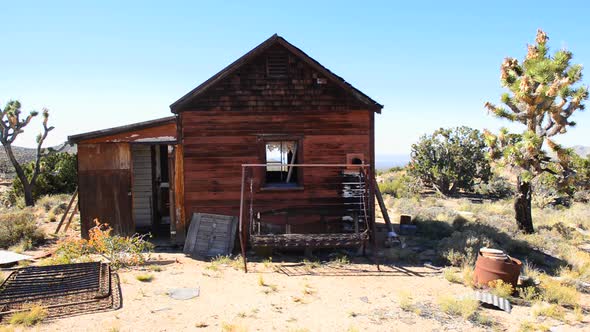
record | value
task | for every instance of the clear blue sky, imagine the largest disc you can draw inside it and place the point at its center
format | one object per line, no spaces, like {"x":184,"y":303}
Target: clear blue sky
{"x":97,"y":64}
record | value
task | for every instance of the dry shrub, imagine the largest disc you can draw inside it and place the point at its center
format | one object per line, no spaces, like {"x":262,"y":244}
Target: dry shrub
{"x":501,"y":288}
{"x":465,"y":307}
{"x":450,"y":274}
{"x":19,"y":226}
{"x":529,"y":293}
{"x":468,"y":272}
{"x":34,"y":315}
{"x":145,"y":277}
{"x":549,"y":310}
{"x":528,"y":326}
{"x":462,"y":248}
{"x":236,"y":262}
{"x":553,"y":291}
{"x":120,"y":251}
{"x":406,"y":302}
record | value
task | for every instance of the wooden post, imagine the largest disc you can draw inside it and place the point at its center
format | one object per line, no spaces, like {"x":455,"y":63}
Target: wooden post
{"x":63,"y":218}
{"x":72,"y":216}
{"x":382,"y":206}
{"x":241,"y":227}
{"x":291,"y":164}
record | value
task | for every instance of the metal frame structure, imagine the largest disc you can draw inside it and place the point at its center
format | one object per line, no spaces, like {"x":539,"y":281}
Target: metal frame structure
{"x":326,"y":240}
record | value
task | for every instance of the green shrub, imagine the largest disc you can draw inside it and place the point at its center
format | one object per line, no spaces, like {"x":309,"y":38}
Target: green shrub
{"x":450,"y":159}
{"x":400,"y":185}
{"x":18,"y":226}
{"x":58,"y":175}
{"x":497,"y":186}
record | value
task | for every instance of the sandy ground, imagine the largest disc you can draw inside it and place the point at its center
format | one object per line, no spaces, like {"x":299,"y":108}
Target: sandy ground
{"x":353,"y":297}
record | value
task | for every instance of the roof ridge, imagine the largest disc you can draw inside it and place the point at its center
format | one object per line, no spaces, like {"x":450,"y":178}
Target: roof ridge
{"x":259,"y":49}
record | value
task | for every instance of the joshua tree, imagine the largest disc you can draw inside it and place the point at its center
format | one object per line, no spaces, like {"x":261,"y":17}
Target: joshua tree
{"x":543,"y":94}
{"x":11,"y":126}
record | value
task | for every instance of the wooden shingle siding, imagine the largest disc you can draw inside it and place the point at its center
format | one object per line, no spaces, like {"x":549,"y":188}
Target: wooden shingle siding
{"x":221,"y":130}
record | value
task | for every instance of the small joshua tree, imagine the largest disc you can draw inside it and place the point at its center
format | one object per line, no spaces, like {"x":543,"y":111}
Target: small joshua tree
{"x":543,"y":94}
{"x":11,"y":126}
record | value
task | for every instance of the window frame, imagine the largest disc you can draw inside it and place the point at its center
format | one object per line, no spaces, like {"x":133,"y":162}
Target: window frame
{"x":263,"y":140}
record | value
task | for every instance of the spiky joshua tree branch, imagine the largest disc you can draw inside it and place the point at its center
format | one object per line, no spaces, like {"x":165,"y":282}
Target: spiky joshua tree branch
{"x":543,"y":93}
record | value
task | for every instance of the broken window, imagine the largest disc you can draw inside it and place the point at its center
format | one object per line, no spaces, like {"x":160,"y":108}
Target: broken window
{"x":280,"y":156}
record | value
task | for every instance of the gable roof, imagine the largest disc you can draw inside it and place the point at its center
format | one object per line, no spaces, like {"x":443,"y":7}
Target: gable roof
{"x":276,"y":39}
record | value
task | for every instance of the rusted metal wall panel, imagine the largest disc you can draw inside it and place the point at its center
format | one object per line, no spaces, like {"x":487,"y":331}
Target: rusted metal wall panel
{"x":104,"y":183}
{"x":104,"y":156}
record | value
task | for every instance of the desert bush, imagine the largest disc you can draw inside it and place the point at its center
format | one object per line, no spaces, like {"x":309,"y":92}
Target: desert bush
{"x":120,"y":251}
{"x":528,"y":293}
{"x":528,"y":326}
{"x":450,"y":159}
{"x":54,"y":203}
{"x":497,"y":186}
{"x":462,"y":248}
{"x":501,"y":288}
{"x":549,"y":310}
{"x":34,"y":315}
{"x":465,"y":307}
{"x":553,"y":291}
{"x":401,"y":185}
{"x":450,"y":274}
{"x":145,"y":277}
{"x":18,"y":226}
{"x":58,"y":175}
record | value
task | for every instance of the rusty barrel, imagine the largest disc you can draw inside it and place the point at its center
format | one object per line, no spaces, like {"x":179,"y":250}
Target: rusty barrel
{"x":489,"y":269}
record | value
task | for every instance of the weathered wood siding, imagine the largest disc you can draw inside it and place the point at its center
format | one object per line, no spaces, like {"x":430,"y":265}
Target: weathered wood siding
{"x":220,"y":131}
{"x":104,"y":181}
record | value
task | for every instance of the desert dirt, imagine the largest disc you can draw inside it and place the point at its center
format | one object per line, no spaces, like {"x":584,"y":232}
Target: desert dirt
{"x":286,"y":297}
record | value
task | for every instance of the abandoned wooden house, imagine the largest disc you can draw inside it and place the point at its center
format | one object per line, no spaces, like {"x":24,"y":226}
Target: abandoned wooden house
{"x":274,"y":139}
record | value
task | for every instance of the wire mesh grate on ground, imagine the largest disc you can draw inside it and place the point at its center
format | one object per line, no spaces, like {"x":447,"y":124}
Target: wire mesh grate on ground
{"x":64,"y":290}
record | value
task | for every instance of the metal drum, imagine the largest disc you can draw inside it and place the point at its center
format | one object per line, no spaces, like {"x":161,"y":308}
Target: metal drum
{"x":492,"y":266}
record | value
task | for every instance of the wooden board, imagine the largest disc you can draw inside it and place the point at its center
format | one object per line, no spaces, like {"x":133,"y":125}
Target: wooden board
{"x":142,"y":185}
{"x":210,"y":235}
{"x":104,"y":186}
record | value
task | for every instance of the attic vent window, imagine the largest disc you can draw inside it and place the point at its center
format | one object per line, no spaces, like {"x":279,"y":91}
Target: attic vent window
{"x":277,"y":65}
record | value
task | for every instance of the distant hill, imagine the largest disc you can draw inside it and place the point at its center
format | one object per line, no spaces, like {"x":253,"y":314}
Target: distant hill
{"x":387,"y":161}
{"x":23,"y":155}
{"x":581,"y":150}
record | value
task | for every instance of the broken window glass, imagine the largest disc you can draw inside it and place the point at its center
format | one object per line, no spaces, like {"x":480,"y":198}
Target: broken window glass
{"x":280,"y":155}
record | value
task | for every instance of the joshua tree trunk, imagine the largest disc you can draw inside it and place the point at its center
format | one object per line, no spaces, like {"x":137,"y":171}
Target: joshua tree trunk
{"x":20,"y":173}
{"x":522,"y":207}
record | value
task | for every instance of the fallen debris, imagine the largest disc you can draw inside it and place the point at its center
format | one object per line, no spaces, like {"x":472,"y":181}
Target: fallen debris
{"x":183,"y":294}
{"x":496,"y":301}
{"x":9,"y":257}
